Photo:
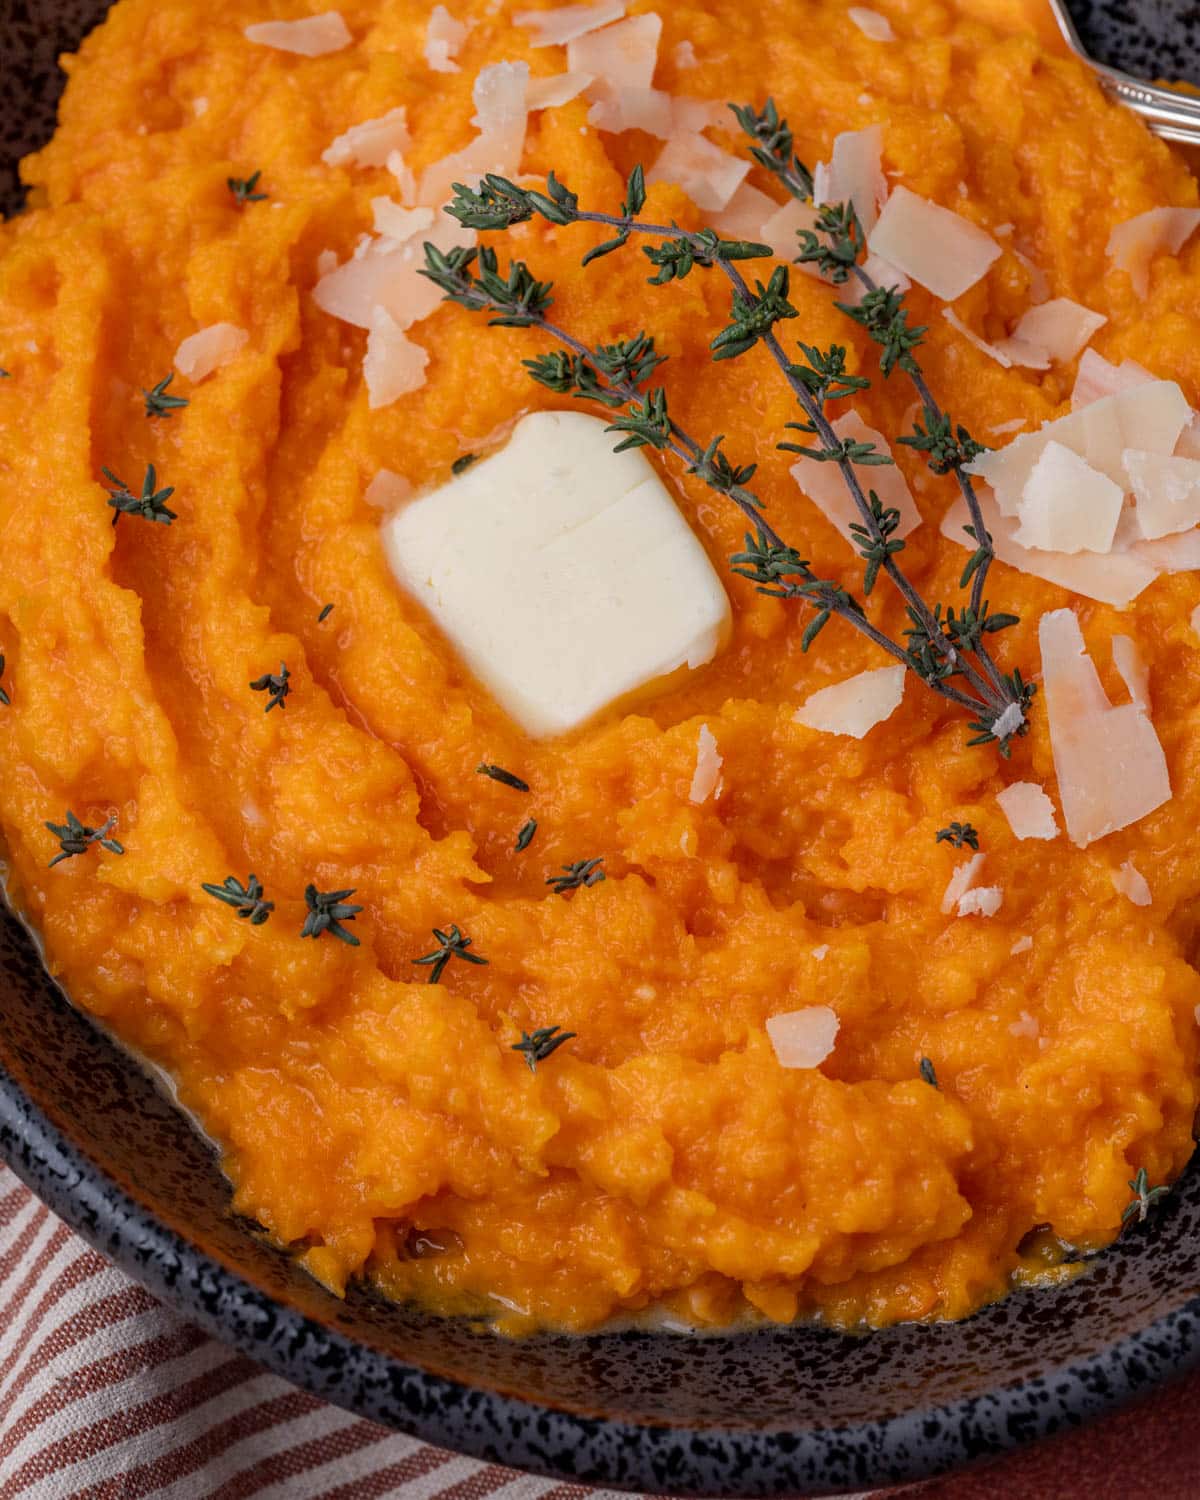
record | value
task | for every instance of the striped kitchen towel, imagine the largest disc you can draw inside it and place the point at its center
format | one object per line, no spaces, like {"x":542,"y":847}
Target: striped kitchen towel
{"x":106,"y":1395}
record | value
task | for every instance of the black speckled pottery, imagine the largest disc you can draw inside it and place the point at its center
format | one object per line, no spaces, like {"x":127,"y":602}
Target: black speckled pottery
{"x":800,"y":1410}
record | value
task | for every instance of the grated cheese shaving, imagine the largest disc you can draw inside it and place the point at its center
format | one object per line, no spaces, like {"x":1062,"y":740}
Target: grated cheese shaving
{"x":388,"y":490}
{"x":803,"y":1038}
{"x":855,"y":706}
{"x":1132,"y":668}
{"x":1029,"y":811}
{"x":708,"y":767}
{"x":1129,"y":881}
{"x":961,"y":881}
{"x":1059,"y":328}
{"x":1097,"y":378}
{"x":634,"y":109}
{"x":555,"y":28}
{"x":393,"y":365}
{"x":1134,"y":244}
{"x":621,"y":56}
{"x":559,"y":88}
{"x":684,"y":56}
{"x":878,"y":28}
{"x":1110,"y":765}
{"x":823,"y":485}
{"x":208,"y":349}
{"x":1022,"y":945}
{"x":937,"y":248}
{"x":1066,"y":506}
{"x":443,"y":37}
{"x":708,"y":175}
{"x":312,"y":36}
{"x":371,"y":143}
{"x":984,"y":901}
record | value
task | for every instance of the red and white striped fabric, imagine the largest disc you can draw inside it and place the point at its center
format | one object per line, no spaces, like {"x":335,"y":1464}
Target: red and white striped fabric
{"x":105,"y":1395}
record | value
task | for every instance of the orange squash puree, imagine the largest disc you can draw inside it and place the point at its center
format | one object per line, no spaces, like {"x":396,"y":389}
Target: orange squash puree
{"x":663,"y":1156}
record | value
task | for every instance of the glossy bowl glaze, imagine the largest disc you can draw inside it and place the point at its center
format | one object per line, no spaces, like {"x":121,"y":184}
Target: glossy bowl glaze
{"x":798,"y":1411}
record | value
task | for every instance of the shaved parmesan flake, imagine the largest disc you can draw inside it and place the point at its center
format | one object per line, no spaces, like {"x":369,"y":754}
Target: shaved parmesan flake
{"x":1002,"y":429}
{"x":199,"y":106}
{"x":387,"y":490}
{"x":819,"y":953}
{"x":1134,"y":672}
{"x":371,"y":143}
{"x":938,"y":248}
{"x":1022,"y":945}
{"x":555,"y":28}
{"x":499,"y":98}
{"x":386,"y":274}
{"x":1114,"y":579}
{"x":781,"y":228}
{"x":1169,"y":554}
{"x":634,"y":109}
{"x":208,"y":349}
{"x":1110,"y":766}
{"x":991,"y":350}
{"x":1166,"y":492}
{"x":1039,"y":282}
{"x":684,"y":57}
{"x":621,"y":56}
{"x":443,"y":37}
{"x":398,"y":223}
{"x":961,"y":881}
{"x":872,"y":24}
{"x":708,"y":767}
{"x":1134,"y":244}
{"x":984,"y":901}
{"x":708,"y":175}
{"x":1027,"y":1025}
{"x":393,"y":365}
{"x":405,"y":181}
{"x":1066,"y":506}
{"x":1097,"y":378}
{"x":824,"y":486}
{"x":501,"y":115}
{"x":803,"y":1038}
{"x":698,"y":114}
{"x":1060,"y":328}
{"x":560,"y":88}
{"x":313,"y":36}
{"x":854,"y":174}
{"x":1129,"y":881}
{"x":1029,"y":811}
{"x":855,"y":706}
{"x":748,"y":210}
{"x":1149,"y":416}
{"x":1008,"y":721}
{"x":1027,"y":356}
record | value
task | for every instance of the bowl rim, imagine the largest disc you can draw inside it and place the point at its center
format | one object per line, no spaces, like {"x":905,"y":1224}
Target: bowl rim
{"x":559,"y":1444}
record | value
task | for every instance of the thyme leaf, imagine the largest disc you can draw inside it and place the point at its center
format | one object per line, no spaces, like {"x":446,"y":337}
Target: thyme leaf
{"x":540,"y":1044}
{"x":244,"y":189}
{"x":327,"y":910}
{"x":150,"y":505}
{"x":958,"y":834}
{"x":463,"y":463}
{"x":247,"y":900}
{"x":582,"y":872}
{"x":450,"y":944}
{"x":276,"y":685}
{"x":75,"y":838}
{"x":1144,"y":1197}
{"x":5,"y":700}
{"x":158,"y":402}
{"x":928,"y":1073}
{"x":524,"y":837}
{"x":326,"y":611}
{"x":498,"y":773}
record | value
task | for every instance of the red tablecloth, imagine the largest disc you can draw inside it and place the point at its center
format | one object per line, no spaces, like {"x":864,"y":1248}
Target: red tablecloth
{"x":106,"y":1395}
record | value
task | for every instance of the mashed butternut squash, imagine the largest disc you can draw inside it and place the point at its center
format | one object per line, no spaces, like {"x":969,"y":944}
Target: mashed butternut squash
{"x":663,"y":1156}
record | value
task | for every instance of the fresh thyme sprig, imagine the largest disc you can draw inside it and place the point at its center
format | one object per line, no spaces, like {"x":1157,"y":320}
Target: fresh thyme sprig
{"x":582,"y":872}
{"x":450,"y":944}
{"x":538,"y":1045}
{"x":958,"y":834}
{"x":75,"y":838}
{"x":942,"y":644}
{"x":276,"y":684}
{"x":158,"y":402}
{"x":247,"y":900}
{"x":498,"y":773}
{"x":244,"y":189}
{"x":150,"y":505}
{"x":6,"y":701}
{"x":327,"y":910}
{"x":524,"y":836}
{"x":1144,"y":1197}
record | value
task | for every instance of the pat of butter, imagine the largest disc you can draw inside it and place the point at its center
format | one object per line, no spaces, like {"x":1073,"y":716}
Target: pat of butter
{"x":562,"y":572}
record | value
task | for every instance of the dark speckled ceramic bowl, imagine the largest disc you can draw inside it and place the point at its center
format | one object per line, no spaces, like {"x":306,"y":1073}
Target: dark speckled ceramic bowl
{"x":798,"y":1410}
